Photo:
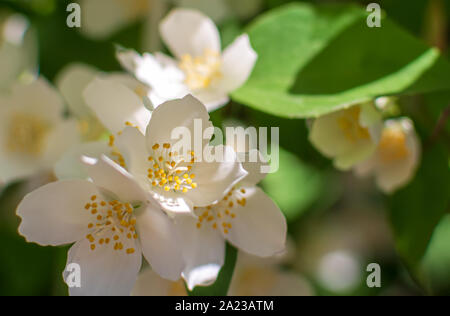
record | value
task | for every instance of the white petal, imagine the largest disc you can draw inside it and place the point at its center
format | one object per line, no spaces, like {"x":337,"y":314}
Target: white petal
{"x":163,"y":76}
{"x":104,"y":271}
{"x":174,"y":204}
{"x":189,"y":32}
{"x":267,"y":280}
{"x":259,"y":227}
{"x":63,"y":135}
{"x":18,"y":51}
{"x":213,"y":98}
{"x":38,"y":98}
{"x":115,"y":105}
{"x":175,"y":114}
{"x":254,"y":164}
{"x":70,"y":165}
{"x":329,"y":138}
{"x":215,"y":179}
{"x":129,"y":59}
{"x":150,"y":283}
{"x":109,"y":176}
{"x":102,"y":18}
{"x":55,"y":213}
{"x":132,"y":144}
{"x":71,"y":82}
{"x":391,"y":177}
{"x":203,"y":252}
{"x":238,"y":62}
{"x":160,"y":243}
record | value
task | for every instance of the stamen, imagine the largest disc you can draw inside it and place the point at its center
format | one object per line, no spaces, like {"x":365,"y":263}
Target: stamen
{"x":351,"y":127}
{"x":202,"y":71}
{"x":109,"y":222}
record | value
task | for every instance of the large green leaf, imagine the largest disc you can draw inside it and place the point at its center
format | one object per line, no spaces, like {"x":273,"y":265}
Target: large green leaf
{"x":417,"y":209}
{"x":316,"y":59}
{"x":295,"y":186}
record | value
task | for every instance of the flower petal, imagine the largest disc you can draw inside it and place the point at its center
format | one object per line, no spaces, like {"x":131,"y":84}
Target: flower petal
{"x":203,"y":252}
{"x":238,"y":62}
{"x":55,"y":213}
{"x":328,"y":136}
{"x":109,"y":176}
{"x":71,"y":82}
{"x":392,"y":176}
{"x":255,"y":165}
{"x":212,"y":98}
{"x":104,"y":271}
{"x":176,"y":114}
{"x":39,"y":99}
{"x":150,"y":283}
{"x":259,"y":227}
{"x":215,"y":179}
{"x":63,"y":135}
{"x":160,"y":243}
{"x":132,"y":144}
{"x":190,"y":32}
{"x":115,"y":105}
{"x":70,"y":165}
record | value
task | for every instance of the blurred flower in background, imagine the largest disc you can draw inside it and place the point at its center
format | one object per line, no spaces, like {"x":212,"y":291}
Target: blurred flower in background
{"x":34,"y":131}
{"x":18,"y":48}
{"x":339,"y":222}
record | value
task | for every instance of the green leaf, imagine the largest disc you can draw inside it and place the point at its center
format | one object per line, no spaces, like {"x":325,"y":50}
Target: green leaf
{"x":220,"y":288}
{"x":295,"y":186}
{"x":317,"y":59}
{"x":436,"y":263}
{"x":417,"y":209}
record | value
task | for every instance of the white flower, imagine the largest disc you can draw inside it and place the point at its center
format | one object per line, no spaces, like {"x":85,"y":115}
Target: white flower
{"x":254,"y":276}
{"x":18,"y":48}
{"x":397,"y":156}
{"x":33,"y":132}
{"x":246,"y":217}
{"x":102,"y":18}
{"x":199,"y":67}
{"x":348,"y":136}
{"x":102,"y":103}
{"x":179,"y":180}
{"x":75,"y":78}
{"x":112,"y":223}
{"x":150,"y":283}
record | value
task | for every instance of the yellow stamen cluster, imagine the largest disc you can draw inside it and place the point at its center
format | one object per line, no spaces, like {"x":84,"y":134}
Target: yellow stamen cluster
{"x":350,"y":125}
{"x":115,"y":153}
{"x":222,"y":214}
{"x":114,"y":223}
{"x":27,"y":135}
{"x":392,"y":146}
{"x":170,"y":171}
{"x":201,"y":71}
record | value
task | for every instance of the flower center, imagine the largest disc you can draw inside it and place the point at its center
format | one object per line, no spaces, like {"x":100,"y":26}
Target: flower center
{"x":201,"y":71}
{"x":170,"y":171}
{"x":223,"y":213}
{"x":351,"y":127}
{"x":27,"y":135}
{"x":90,"y":128}
{"x":115,"y":152}
{"x":392,"y":145}
{"x":114,"y":224}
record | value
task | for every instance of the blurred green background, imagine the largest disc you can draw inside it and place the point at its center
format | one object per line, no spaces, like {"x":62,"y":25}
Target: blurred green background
{"x":337,"y":224}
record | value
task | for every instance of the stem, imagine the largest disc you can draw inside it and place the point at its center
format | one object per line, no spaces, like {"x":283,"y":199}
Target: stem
{"x":440,"y":126}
